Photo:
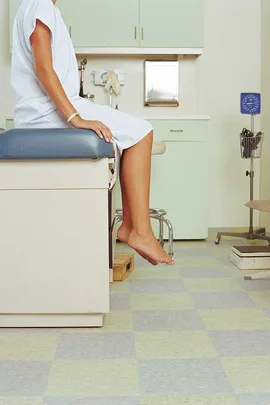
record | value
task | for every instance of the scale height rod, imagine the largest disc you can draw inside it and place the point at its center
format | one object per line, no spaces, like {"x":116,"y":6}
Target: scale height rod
{"x":251,"y":175}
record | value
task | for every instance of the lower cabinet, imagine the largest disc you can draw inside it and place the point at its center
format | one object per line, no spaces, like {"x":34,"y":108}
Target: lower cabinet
{"x":180,"y":178}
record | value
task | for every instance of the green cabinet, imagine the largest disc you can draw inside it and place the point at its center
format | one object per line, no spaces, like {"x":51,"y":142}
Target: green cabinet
{"x":14,"y":5}
{"x":137,"y":23}
{"x":171,"y":23}
{"x":102,"y":23}
{"x":130,"y":23}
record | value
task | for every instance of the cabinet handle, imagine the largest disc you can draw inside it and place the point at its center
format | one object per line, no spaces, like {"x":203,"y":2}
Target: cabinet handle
{"x":135,"y":32}
{"x":176,"y":130}
{"x":69,"y":30}
{"x":142,"y":33}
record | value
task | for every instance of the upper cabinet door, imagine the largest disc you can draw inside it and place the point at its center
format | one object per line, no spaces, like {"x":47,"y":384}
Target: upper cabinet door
{"x":171,"y":23}
{"x":14,"y":6}
{"x":104,"y":23}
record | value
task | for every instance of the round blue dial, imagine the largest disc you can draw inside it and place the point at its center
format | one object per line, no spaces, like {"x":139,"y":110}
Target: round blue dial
{"x":250,"y":103}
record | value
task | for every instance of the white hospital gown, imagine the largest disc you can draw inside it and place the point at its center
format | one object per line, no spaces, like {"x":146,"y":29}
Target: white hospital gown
{"x":32,"y":106}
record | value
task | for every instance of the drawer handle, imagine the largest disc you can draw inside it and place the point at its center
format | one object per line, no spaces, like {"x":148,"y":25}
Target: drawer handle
{"x":176,"y":130}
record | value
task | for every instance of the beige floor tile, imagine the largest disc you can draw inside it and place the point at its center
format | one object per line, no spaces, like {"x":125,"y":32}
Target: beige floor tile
{"x":28,"y":346}
{"x":93,"y":378}
{"x":161,"y":302}
{"x":173,"y":345}
{"x":155,"y":273}
{"x":192,"y":400}
{"x":235,"y":319}
{"x":114,"y":322}
{"x":212,"y":284}
{"x":21,"y":401}
{"x":197,"y":261}
{"x":248,"y":374}
{"x":262,"y":298}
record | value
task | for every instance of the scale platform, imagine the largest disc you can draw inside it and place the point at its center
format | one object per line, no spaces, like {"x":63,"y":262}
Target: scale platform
{"x":251,"y":257}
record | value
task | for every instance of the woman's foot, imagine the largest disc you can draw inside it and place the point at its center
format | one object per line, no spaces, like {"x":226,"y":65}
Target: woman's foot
{"x":147,"y":245}
{"x":123,"y":235}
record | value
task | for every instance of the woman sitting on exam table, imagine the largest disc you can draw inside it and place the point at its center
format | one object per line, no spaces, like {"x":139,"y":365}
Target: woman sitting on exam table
{"x":44,"y":77}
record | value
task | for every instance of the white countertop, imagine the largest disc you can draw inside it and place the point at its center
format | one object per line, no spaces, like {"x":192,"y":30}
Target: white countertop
{"x":179,"y":117}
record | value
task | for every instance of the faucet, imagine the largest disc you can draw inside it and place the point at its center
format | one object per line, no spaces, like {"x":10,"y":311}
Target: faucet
{"x":82,"y":69}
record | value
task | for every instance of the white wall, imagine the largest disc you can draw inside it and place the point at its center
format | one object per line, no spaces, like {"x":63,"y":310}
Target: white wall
{"x":265,"y":161}
{"x":231,"y":64}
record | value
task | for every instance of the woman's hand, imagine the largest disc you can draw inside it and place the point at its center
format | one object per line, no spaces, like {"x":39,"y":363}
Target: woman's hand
{"x":100,"y":129}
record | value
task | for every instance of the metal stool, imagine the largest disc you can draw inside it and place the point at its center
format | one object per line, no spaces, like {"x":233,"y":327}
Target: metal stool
{"x":156,"y":213}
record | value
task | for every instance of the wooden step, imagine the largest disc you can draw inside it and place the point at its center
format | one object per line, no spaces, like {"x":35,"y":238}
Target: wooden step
{"x":123,"y":266}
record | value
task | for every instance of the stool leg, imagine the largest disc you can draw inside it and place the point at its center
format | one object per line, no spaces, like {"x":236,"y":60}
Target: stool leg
{"x":161,"y":231}
{"x":170,"y":237}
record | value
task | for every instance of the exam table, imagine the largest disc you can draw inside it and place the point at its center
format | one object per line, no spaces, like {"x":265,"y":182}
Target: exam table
{"x":56,"y":214}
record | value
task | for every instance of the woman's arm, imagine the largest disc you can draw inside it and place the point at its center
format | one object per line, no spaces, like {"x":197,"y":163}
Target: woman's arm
{"x":42,"y":54}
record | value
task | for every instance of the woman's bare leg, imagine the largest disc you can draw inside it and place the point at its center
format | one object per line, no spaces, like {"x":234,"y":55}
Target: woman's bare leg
{"x":126,"y":227}
{"x":135,"y":182}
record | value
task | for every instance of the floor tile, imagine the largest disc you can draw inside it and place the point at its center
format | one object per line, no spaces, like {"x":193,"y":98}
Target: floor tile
{"x":161,"y":302}
{"x":156,"y":286}
{"x":166,"y":320}
{"x":254,"y":399}
{"x":255,"y":285}
{"x":173,"y":345}
{"x":204,"y":272}
{"x":96,"y":346}
{"x":197,"y":261}
{"x":261,"y":298}
{"x":119,"y":287}
{"x":235,"y":319}
{"x":248,"y":374}
{"x":155,"y":273}
{"x":120,"y":321}
{"x":192,"y":400}
{"x":28,"y":346}
{"x":93,"y":378}
{"x":194,"y":252}
{"x":182,"y":377}
{"x":23,"y":378}
{"x":93,"y":401}
{"x":267,"y":312}
{"x":211,"y":284}
{"x":230,"y":299}
{"x":241,"y":342}
{"x":21,"y":401}
{"x":120,"y":302}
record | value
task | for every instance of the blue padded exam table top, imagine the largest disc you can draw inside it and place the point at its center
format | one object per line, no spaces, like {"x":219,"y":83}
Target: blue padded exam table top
{"x":53,"y":144}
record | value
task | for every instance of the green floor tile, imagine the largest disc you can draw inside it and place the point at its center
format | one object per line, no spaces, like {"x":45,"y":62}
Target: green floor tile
{"x":174,"y":345}
{"x":248,"y":374}
{"x":93,"y":378}
{"x":161,"y":302}
{"x":235,"y":319}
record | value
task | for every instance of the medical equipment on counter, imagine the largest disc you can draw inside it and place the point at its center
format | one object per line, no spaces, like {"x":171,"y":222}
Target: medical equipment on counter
{"x":112,"y":85}
{"x":251,"y":148}
{"x":111,"y":80}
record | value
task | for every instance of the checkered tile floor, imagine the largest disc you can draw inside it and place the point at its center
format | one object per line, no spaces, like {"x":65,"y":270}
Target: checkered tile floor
{"x":194,"y":334}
